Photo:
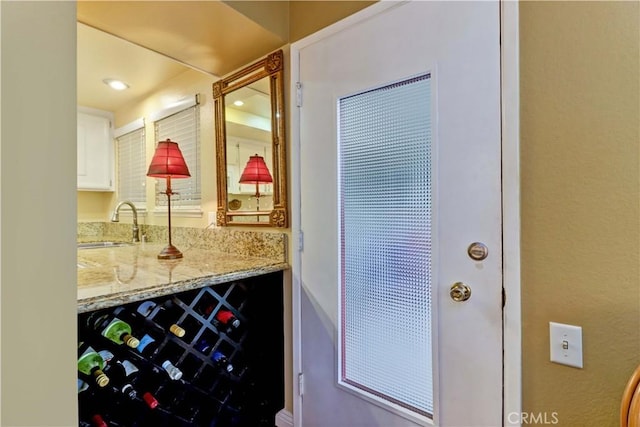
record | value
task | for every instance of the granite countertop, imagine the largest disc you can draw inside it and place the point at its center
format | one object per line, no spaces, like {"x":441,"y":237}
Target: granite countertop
{"x":118,"y":275}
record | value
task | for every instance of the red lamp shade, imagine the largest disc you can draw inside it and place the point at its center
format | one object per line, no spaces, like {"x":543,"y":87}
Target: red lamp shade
{"x":168,"y":162}
{"x":256,"y":171}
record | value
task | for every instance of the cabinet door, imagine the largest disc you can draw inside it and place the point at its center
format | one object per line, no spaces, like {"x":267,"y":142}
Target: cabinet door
{"x":95,"y":152}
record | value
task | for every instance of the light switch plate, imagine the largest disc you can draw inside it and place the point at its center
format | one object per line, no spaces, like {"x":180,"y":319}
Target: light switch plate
{"x":565,"y":343}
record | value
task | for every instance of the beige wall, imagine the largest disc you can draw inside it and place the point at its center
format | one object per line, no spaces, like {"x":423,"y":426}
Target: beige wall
{"x":38,"y":214}
{"x":94,"y":206}
{"x":580,"y":146}
{"x":307,"y":17}
{"x":580,"y":208}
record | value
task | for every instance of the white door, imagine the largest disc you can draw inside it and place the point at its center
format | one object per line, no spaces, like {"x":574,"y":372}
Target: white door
{"x":399,"y":173}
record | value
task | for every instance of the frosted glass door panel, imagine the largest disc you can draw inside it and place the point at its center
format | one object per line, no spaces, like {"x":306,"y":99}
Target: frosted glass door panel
{"x":385,"y":254}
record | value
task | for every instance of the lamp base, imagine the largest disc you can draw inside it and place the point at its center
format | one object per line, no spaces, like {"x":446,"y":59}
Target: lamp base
{"x":170,"y":252}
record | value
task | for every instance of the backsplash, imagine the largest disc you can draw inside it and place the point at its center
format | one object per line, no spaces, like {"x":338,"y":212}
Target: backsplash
{"x":272,"y":245}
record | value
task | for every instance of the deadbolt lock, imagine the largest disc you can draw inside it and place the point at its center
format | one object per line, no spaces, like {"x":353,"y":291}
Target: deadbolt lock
{"x":460,"y":292}
{"x":478,"y":251}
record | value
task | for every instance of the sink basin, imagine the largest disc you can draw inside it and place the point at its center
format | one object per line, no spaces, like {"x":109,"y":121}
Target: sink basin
{"x":97,"y":245}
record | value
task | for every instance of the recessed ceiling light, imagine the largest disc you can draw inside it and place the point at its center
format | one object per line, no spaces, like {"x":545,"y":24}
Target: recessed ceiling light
{"x":116,"y":84}
{"x":238,"y":103}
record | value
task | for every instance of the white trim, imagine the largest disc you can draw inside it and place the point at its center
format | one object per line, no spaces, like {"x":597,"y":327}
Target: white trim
{"x":129,"y":127}
{"x":96,"y":112}
{"x":296,"y":235}
{"x":512,"y":321}
{"x":510,"y":100}
{"x":284,"y":418}
{"x":176,"y":211}
{"x":175,"y":107}
{"x":296,"y":266}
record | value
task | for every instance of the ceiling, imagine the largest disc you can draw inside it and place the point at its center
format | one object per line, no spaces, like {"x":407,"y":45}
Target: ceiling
{"x":145,"y":43}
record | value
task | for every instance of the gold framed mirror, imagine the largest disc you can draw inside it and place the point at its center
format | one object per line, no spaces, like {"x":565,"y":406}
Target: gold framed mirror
{"x":250,"y":145}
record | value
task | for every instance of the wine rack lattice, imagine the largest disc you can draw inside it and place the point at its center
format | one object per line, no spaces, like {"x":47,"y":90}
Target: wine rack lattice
{"x":207,"y":394}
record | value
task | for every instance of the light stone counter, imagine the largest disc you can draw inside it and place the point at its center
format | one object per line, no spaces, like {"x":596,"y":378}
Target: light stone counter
{"x":113,"y":276}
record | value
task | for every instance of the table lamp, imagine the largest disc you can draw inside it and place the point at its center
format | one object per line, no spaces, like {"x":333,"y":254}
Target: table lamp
{"x":168,"y":163}
{"x":256,"y":172}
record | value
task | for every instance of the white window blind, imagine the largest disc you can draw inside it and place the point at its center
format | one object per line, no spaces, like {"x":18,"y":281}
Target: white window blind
{"x":184,"y":128}
{"x":132,"y":167}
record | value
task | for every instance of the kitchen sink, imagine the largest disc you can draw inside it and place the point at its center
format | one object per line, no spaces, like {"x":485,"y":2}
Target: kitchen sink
{"x":97,"y":245}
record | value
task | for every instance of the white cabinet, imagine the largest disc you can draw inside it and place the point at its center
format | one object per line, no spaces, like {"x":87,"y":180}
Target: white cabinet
{"x":95,"y":150}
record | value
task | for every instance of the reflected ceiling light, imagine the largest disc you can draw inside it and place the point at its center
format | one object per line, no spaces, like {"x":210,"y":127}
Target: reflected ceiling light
{"x":238,"y":103}
{"x":116,"y":84}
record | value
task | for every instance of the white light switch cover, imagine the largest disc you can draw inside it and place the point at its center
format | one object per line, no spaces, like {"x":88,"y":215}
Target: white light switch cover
{"x":565,"y":343}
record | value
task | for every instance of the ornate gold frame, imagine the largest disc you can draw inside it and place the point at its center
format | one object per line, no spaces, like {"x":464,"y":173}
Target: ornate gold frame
{"x":271,"y":66}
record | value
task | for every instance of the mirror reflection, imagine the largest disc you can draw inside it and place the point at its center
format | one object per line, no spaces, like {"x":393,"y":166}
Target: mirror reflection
{"x":250,"y":145}
{"x":248,"y":134}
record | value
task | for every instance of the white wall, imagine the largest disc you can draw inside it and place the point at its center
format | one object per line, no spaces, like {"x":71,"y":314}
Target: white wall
{"x":38,"y":213}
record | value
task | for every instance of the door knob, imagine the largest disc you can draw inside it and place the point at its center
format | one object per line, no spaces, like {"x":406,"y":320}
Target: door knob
{"x":460,"y":292}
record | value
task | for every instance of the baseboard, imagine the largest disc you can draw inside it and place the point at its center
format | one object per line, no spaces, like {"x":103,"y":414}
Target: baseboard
{"x":284,"y":418}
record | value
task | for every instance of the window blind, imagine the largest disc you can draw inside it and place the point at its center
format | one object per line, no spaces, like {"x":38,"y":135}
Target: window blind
{"x":132,"y":167}
{"x":184,"y":128}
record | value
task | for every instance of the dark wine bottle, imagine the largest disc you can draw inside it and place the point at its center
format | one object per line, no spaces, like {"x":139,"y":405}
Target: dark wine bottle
{"x":221,"y":361}
{"x":204,"y":346}
{"x":91,"y":364}
{"x":93,"y":411}
{"x":111,"y":327}
{"x":206,"y":305}
{"x":168,"y":317}
{"x":149,"y":344}
{"x":174,"y":372}
{"x":141,"y":317}
{"x":150,"y":400}
{"x":227,"y":319}
{"x":122,"y":374}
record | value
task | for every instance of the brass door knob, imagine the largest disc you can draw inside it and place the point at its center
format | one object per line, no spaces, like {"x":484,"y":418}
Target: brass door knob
{"x":460,"y":292}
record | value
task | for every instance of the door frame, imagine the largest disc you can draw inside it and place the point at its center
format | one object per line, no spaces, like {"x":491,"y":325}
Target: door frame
{"x":510,"y":146}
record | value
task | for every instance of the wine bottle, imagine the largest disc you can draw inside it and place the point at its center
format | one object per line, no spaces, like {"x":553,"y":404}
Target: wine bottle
{"x":173,"y":371}
{"x":149,"y":344}
{"x":91,"y":364}
{"x":227,"y":318}
{"x":150,"y":400}
{"x":122,"y":373}
{"x":82,"y":386}
{"x":204,"y":345}
{"x":92,"y":411}
{"x":119,"y":332}
{"x":139,"y":319}
{"x":220,"y":360}
{"x":98,"y":421}
{"x":168,"y":317}
{"x":206,"y":304}
{"x":113,"y":328}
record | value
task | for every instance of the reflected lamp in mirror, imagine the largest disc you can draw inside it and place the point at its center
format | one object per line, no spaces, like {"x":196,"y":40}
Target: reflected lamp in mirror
{"x":168,"y":163}
{"x":256,"y":172}
{"x":249,"y":118}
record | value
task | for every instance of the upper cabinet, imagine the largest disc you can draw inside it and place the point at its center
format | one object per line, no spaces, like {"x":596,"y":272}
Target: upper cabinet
{"x":95,"y":150}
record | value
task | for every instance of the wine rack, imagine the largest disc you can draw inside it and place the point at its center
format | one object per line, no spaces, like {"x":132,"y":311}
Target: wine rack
{"x":207,"y":394}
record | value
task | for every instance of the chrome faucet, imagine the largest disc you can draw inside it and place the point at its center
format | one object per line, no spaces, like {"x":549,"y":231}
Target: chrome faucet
{"x":116,"y":218}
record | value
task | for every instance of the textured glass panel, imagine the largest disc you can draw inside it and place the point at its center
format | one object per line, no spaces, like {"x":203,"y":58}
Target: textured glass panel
{"x":385,"y":207}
